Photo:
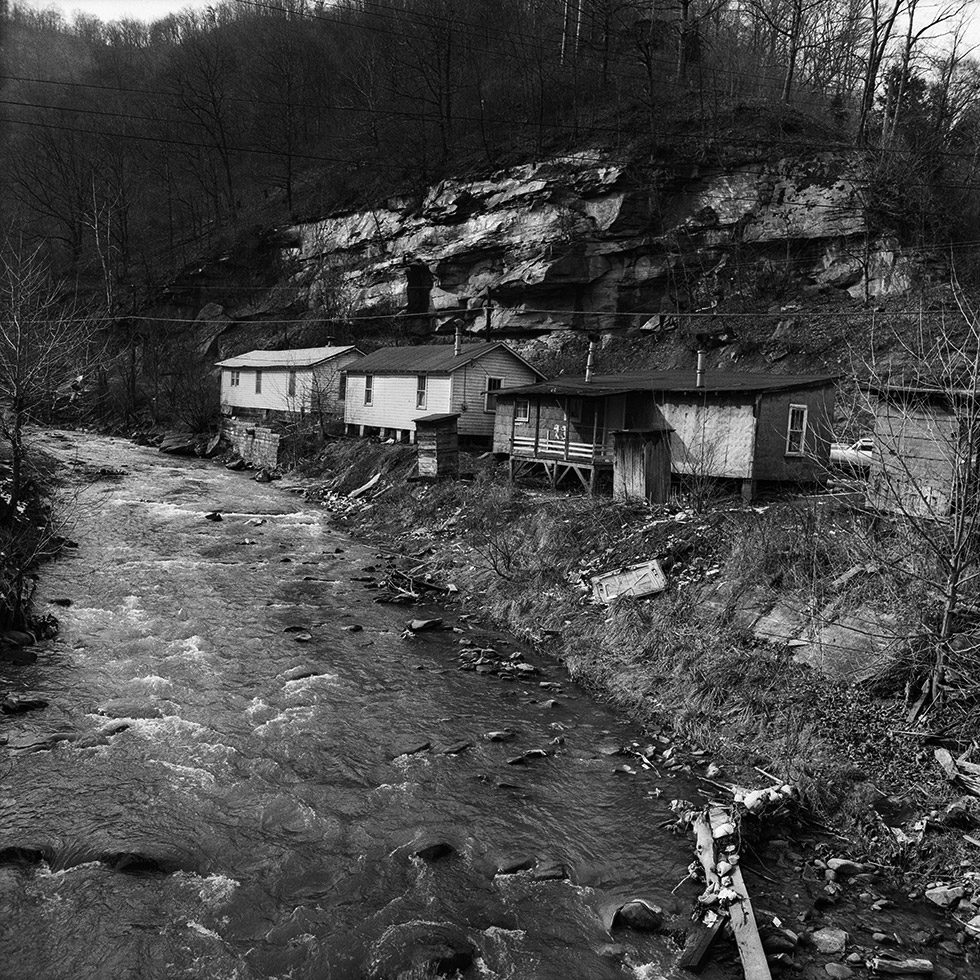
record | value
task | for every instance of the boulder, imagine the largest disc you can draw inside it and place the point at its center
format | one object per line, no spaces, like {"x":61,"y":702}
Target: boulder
{"x":945,"y":895}
{"x":456,"y":748}
{"x":829,"y":941}
{"x":551,"y":871}
{"x":421,"y":949}
{"x":422,"y":625}
{"x":504,"y":735}
{"x":838,"y":971}
{"x":844,"y":867}
{"x":236,"y":463}
{"x":640,"y":915}
{"x":17,"y":638}
{"x":516,"y":865}
{"x":435,"y":851}
{"x":15,"y":705}
{"x":263,"y":476}
{"x":213,"y":447}
{"x":409,"y":748}
{"x":126,"y":708}
{"x":179,"y":444}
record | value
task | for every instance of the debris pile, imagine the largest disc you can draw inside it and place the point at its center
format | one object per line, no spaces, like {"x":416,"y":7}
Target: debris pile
{"x":725,"y":899}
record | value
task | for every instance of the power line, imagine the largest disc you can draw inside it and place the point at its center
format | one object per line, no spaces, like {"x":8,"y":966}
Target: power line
{"x":481,"y":311}
{"x":712,"y":173}
{"x":421,"y":117}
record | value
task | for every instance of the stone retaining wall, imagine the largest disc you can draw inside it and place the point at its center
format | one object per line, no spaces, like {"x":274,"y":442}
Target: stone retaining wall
{"x":256,"y":444}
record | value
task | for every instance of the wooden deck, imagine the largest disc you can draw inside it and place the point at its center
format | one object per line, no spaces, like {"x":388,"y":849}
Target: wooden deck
{"x":558,"y":458}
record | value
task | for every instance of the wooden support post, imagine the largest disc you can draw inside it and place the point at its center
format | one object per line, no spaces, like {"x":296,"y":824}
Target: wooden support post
{"x":748,"y":491}
{"x":537,"y":423}
{"x":568,"y":428}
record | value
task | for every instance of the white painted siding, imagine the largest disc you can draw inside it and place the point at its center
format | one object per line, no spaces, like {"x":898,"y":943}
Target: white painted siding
{"x":394,"y":403}
{"x":274,"y":392}
{"x":470,"y":385}
{"x":711,"y":440}
{"x":323,"y":379}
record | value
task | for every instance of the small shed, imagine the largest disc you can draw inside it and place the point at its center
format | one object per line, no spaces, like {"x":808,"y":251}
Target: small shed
{"x":437,"y":439}
{"x":641,"y":464}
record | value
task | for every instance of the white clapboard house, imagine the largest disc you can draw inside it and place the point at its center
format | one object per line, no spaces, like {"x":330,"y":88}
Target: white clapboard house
{"x":392,"y":387}
{"x":277,"y":383}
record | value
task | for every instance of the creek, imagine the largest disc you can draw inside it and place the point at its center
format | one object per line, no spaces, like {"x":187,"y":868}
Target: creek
{"x":214,"y":798}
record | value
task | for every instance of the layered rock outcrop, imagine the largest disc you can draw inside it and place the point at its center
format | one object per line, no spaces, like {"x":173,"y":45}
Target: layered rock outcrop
{"x":587,"y":241}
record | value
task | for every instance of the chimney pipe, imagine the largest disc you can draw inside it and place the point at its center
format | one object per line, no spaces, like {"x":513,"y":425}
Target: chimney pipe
{"x":458,"y":346}
{"x":590,"y":361}
{"x":700,"y":378}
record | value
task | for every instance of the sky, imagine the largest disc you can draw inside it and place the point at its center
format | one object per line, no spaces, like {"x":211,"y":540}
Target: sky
{"x":117,"y":9}
{"x":152,"y":9}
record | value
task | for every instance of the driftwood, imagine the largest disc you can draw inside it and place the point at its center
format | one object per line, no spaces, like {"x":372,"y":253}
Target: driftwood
{"x":735,"y":896}
{"x":967,"y":774}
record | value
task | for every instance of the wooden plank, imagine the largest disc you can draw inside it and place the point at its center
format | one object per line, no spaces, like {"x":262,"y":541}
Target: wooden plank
{"x":696,"y":953}
{"x":754,"y":962}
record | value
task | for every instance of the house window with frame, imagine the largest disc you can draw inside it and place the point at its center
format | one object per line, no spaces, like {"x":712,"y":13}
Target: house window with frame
{"x":342,"y":386}
{"x":236,"y":378}
{"x":291,"y":385}
{"x":490,"y":394}
{"x":796,"y":430}
{"x":258,"y":382}
{"x":420,"y":387}
{"x":522,"y":410}
{"x":573,"y":409}
{"x":368,"y":389}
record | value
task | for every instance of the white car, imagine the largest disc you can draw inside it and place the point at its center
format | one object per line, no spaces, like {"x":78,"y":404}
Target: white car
{"x":853,"y":455}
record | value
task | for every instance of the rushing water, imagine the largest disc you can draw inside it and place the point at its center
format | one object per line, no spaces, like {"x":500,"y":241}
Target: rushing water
{"x":201,"y":814}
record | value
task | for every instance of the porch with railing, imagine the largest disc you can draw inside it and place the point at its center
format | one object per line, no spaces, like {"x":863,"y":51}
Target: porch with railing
{"x":545,"y":446}
{"x":559,"y":456}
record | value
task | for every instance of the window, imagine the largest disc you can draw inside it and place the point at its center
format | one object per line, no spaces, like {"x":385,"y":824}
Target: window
{"x":368,"y":389}
{"x":522,"y":410}
{"x":574,"y":409}
{"x":796,"y":430}
{"x":236,"y":378}
{"x":291,"y":387}
{"x":490,"y":398}
{"x":420,"y":391}
{"x":342,"y":386}
{"x":258,"y":382}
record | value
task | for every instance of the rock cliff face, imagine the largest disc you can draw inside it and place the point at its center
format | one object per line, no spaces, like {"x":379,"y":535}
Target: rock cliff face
{"x":587,"y":241}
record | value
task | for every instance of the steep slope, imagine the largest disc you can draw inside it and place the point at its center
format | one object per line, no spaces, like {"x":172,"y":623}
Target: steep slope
{"x":590,"y":241}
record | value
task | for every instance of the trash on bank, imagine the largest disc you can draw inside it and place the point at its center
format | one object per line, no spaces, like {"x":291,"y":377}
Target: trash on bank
{"x":644,"y":578}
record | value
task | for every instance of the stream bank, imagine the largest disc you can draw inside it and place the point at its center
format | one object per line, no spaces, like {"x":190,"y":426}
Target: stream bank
{"x":521,"y":558}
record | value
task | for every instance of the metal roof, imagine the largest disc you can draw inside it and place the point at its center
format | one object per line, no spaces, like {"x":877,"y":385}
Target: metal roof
{"x":681,"y":382}
{"x":438,"y":417}
{"x":429,"y":359}
{"x":301,"y":357}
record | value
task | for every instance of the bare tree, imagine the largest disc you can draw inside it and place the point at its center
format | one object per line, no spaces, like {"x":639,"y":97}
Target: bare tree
{"x":926,"y":473}
{"x":45,"y":344}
